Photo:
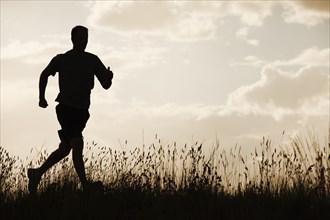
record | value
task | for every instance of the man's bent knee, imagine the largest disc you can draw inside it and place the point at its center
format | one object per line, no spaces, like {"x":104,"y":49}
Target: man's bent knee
{"x":77,"y":143}
{"x":64,"y":148}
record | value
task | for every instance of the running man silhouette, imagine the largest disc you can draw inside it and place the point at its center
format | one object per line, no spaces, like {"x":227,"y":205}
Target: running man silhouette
{"x":76,"y":69}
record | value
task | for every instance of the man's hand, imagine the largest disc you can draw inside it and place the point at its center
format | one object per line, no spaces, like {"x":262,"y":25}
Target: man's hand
{"x":106,"y":80}
{"x":43,"y":103}
{"x":111,"y":73}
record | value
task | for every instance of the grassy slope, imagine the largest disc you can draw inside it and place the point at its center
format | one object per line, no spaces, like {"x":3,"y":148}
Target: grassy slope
{"x":138,"y":205}
{"x":164,"y":183}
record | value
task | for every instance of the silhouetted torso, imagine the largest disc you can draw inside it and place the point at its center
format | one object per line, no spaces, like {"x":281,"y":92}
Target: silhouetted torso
{"x":76,"y":76}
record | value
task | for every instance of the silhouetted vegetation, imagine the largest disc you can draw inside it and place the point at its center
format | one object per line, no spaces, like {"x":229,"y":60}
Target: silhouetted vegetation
{"x":164,"y":181}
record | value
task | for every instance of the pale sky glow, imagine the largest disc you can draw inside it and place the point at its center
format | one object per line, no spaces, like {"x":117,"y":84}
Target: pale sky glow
{"x":185,"y":70}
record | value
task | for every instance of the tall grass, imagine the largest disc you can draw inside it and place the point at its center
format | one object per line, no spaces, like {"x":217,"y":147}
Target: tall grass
{"x":298,"y":171}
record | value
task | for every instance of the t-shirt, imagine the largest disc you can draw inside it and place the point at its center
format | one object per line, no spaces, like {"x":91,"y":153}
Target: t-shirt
{"x":76,"y":76}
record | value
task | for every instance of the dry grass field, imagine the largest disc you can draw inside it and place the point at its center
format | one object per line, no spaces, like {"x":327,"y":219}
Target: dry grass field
{"x":165,"y":181}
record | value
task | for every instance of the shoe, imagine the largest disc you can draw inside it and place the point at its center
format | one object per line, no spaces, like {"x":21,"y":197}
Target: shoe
{"x":34,"y":179}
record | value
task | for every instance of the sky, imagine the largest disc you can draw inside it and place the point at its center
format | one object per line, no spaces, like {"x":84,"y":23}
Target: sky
{"x":186,"y":71}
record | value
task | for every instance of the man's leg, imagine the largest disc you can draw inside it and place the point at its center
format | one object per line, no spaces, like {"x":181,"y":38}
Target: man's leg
{"x":55,"y":157}
{"x":35,"y":174}
{"x":77,"y":144}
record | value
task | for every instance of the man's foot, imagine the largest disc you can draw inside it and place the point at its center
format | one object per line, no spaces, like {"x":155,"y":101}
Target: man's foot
{"x":34,"y":179}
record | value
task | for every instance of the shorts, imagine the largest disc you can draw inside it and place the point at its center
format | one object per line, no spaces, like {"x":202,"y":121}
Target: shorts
{"x":72,"y":120}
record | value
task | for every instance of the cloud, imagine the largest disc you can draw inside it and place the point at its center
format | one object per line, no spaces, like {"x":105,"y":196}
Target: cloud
{"x":303,"y":92}
{"x":195,"y":20}
{"x":251,"y":13}
{"x":123,"y":59}
{"x":17,"y":49}
{"x":250,"y":61}
{"x":321,"y":6}
{"x":32,"y":52}
{"x":311,"y":56}
{"x":277,"y":94}
{"x":135,"y":57}
{"x":242,"y":34}
{"x":177,"y":20}
{"x":132,"y":16}
{"x":280,"y":93}
{"x":309,"y":13}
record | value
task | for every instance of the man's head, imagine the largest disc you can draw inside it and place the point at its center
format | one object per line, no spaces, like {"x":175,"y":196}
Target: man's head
{"x":79,"y":38}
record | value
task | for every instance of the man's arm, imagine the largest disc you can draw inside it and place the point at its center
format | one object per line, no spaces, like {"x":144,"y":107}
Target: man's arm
{"x":103,"y":74}
{"x":42,"y":88}
{"x":107,"y":81}
{"x":51,"y":69}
